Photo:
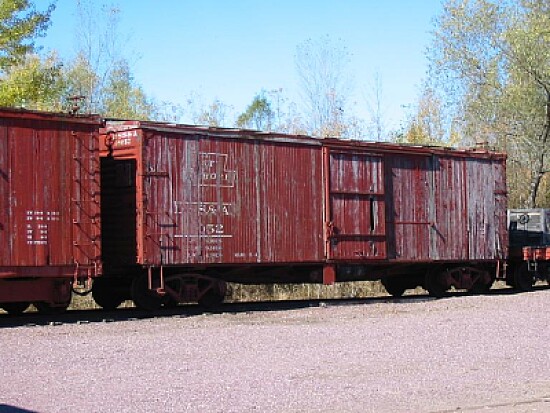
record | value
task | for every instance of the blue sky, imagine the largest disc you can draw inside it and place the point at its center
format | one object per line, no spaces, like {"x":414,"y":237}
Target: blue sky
{"x":231,"y":50}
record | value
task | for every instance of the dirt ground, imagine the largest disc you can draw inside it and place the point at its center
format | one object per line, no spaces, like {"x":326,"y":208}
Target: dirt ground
{"x":463,"y":353}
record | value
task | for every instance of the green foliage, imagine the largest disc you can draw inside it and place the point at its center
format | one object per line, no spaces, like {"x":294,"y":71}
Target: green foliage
{"x":492,"y":60}
{"x":122,"y":98}
{"x":35,"y":83}
{"x":214,"y":114}
{"x":258,"y":115}
{"x":20,"y":24}
{"x":82,"y":80}
{"x":26,"y":79}
{"x":426,"y":126}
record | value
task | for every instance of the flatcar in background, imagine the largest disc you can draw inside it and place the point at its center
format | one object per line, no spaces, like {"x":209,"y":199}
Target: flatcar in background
{"x":186,"y":208}
{"x":529,"y":256}
{"x":49,"y":207}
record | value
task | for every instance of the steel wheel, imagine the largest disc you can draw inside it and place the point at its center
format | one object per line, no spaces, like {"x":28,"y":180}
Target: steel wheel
{"x":214,"y":293}
{"x":394,"y":286}
{"x":143,"y":297}
{"x":211,"y":298}
{"x":524,"y":280}
{"x":435,"y":284}
{"x":106,"y":294}
{"x":15,"y":308}
{"x":481,"y":287}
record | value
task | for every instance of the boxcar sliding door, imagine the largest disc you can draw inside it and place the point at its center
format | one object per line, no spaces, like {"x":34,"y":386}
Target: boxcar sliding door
{"x":355,"y":211}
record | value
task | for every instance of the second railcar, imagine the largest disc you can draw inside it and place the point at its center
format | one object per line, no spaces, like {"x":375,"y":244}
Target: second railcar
{"x":49,"y":207}
{"x":185,"y":208}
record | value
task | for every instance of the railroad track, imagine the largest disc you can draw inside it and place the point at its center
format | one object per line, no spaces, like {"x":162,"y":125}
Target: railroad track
{"x":87,"y":316}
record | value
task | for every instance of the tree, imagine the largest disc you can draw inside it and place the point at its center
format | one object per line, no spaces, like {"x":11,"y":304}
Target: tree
{"x":322,"y":70}
{"x":374,"y":106}
{"x":283,"y":115}
{"x":34,"y":83}
{"x":215,"y":114}
{"x":99,"y":45}
{"x":426,"y":125}
{"x":124,"y":99}
{"x":100,"y":73}
{"x":82,"y":80}
{"x":25,"y":78}
{"x":492,"y":59}
{"x":20,"y":25}
{"x":258,"y":114}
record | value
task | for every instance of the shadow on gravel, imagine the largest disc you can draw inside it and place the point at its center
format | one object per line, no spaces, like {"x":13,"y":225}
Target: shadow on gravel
{"x":33,"y":319}
{"x":131,"y":314}
{"x":4,"y":408}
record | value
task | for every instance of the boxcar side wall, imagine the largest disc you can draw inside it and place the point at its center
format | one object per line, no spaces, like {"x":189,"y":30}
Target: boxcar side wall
{"x":50,"y":194}
{"x":5,"y":216}
{"x":440,"y":206}
{"x":49,"y":205}
{"x":410,"y":207}
{"x":486,"y":210}
{"x":450,"y":234}
{"x":227,"y":201}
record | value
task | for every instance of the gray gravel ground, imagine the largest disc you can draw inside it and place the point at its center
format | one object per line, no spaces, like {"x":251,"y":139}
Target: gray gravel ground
{"x":471,"y":353}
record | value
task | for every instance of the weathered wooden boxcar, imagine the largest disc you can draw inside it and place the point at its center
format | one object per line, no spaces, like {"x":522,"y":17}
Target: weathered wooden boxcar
{"x":49,"y":207}
{"x":186,"y":207}
{"x":430,"y":216}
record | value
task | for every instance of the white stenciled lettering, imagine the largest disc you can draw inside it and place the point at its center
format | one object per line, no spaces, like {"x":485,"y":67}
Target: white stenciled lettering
{"x":212,"y":229}
{"x":37,"y":227}
{"x":204,"y":208}
{"x":215,"y":172}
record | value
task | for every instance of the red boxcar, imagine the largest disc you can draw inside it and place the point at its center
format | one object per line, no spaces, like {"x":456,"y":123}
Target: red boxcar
{"x":49,"y":207}
{"x":184,"y":207}
{"x":430,"y":216}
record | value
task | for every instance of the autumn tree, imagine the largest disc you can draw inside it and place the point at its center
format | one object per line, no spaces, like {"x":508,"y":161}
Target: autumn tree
{"x":214,"y":114}
{"x":81,"y":79}
{"x":122,"y":98}
{"x":377,"y":127}
{"x":322,"y":67}
{"x":100,"y":73}
{"x":283,"y":115}
{"x":258,"y":115}
{"x":492,"y":59}
{"x":426,"y":124}
{"x":99,"y":45}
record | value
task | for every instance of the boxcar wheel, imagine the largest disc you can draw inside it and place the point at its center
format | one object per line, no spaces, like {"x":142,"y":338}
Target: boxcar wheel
{"x":481,"y":287}
{"x":106,"y":295}
{"x":524,"y":280}
{"x":511,"y":276}
{"x":394,"y":287}
{"x":15,"y":308}
{"x":211,"y":298}
{"x":435,"y":284}
{"x":143,"y":297}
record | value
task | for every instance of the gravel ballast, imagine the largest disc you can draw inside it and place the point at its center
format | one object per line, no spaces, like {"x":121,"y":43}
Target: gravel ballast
{"x":472,"y":353}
